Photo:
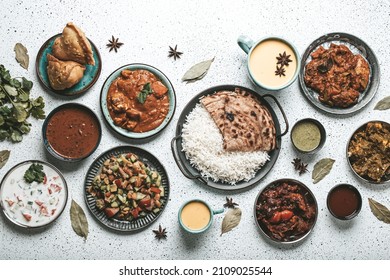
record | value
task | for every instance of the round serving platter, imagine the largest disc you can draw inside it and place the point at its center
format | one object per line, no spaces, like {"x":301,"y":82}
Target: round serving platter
{"x":357,"y":46}
{"x":91,"y":74}
{"x":119,"y":225}
{"x":192,"y":173}
{"x":126,"y":133}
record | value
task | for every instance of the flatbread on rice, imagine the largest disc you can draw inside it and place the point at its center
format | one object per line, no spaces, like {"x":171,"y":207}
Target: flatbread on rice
{"x":245,"y":124}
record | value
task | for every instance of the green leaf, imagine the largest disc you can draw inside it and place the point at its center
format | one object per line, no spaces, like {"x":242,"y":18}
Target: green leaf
{"x":321,"y":169}
{"x":6,"y":76}
{"x":143,"y":94}
{"x":15,"y":83}
{"x":38,"y":102}
{"x":24,"y":128}
{"x":38,"y":113}
{"x":16,"y":136}
{"x":1,"y":120}
{"x":4,"y":134}
{"x":34,"y":173}
{"x":16,"y":106}
{"x":26,"y":84}
{"x":5,"y":110}
{"x":20,"y":113}
{"x":78,"y":220}
{"x":2,"y":94}
{"x":4,"y":156}
{"x":23,"y":96}
{"x":383,"y":104}
{"x":11,"y":90}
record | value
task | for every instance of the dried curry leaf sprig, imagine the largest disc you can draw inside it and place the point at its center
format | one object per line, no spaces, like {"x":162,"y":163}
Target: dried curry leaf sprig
{"x":16,"y":106}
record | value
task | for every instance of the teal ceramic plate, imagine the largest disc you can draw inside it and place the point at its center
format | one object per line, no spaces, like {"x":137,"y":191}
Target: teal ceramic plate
{"x":161,"y":76}
{"x":91,"y":74}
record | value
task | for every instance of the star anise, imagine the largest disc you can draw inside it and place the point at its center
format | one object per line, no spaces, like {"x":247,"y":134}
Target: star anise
{"x":299,"y":165}
{"x":114,"y":44}
{"x":283,"y":59}
{"x":229,"y":203}
{"x":280,"y":71}
{"x":160,"y":233}
{"x":174,"y":53}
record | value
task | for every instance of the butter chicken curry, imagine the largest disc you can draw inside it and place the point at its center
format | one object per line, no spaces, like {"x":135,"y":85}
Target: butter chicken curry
{"x":137,"y":101}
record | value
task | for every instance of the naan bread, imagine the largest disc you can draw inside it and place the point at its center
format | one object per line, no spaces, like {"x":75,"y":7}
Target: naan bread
{"x":63,"y":74}
{"x":73,"y":45}
{"x":245,"y":124}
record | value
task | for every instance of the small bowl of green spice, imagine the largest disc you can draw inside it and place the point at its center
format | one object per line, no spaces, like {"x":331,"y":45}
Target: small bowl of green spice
{"x":308,"y":136}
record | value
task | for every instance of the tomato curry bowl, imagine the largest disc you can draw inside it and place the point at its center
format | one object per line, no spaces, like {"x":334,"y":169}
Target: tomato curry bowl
{"x":137,"y":101}
{"x":71,"y":132}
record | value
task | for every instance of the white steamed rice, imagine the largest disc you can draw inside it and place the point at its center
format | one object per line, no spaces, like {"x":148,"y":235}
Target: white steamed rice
{"x":203,"y":147}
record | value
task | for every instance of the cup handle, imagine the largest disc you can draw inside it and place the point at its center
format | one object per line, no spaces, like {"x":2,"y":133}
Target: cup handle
{"x":215,"y":212}
{"x":245,"y":43}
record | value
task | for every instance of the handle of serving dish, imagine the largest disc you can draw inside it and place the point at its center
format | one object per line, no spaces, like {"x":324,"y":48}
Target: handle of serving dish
{"x":245,"y":43}
{"x":219,"y":211}
{"x":182,"y":168}
{"x":281,"y":110}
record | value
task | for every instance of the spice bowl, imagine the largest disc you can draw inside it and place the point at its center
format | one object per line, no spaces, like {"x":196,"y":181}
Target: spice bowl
{"x":71,"y":132}
{"x":344,"y":202}
{"x":308,"y":136}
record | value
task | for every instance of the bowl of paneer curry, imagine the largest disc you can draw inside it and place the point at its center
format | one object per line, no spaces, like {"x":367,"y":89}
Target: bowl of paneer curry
{"x":138,"y":101}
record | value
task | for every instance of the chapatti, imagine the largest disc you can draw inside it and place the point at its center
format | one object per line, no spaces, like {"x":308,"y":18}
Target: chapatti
{"x":245,"y":123}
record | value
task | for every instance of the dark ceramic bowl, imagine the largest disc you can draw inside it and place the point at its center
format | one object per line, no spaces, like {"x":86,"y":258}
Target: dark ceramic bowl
{"x":351,"y":160}
{"x":49,"y":147}
{"x":344,"y":196}
{"x":322,"y":132}
{"x":309,"y":199}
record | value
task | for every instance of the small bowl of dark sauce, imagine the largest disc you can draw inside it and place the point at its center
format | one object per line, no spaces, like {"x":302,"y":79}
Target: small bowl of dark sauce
{"x":344,"y":201}
{"x":71,"y":132}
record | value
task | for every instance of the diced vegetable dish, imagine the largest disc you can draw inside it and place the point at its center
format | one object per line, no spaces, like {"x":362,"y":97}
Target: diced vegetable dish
{"x":126,"y":188}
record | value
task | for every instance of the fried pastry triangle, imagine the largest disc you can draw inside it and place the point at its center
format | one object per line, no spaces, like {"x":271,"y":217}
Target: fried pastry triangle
{"x":63,"y":74}
{"x":73,"y":45}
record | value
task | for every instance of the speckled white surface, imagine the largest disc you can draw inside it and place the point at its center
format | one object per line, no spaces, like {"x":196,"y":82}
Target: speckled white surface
{"x":201,"y":29}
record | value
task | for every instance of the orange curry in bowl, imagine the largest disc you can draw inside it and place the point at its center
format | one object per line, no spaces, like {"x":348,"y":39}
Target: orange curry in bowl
{"x":137,"y":101}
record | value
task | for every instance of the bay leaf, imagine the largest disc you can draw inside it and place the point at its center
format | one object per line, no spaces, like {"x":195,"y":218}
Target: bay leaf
{"x":11,"y":90}
{"x":383,"y":104}
{"x":231,"y":220}
{"x":21,"y":55}
{"x":78,"y":220}
{"x":4,"y":156}
{"x":198,"y":71}
{"x":380,"y":211}
{"x":321,"y":169}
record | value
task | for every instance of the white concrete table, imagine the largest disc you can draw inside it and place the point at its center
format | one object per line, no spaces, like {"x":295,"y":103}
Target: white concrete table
{"x":201,"y":29}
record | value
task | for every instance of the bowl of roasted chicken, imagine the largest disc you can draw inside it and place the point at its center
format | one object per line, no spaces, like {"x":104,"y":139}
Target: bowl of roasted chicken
{"x":286,"y":211}
{"x":138,"y":101}
{"x":368,"y":152}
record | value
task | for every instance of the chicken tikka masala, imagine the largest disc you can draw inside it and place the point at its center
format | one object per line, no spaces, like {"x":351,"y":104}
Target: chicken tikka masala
{"x":137,"y":101}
